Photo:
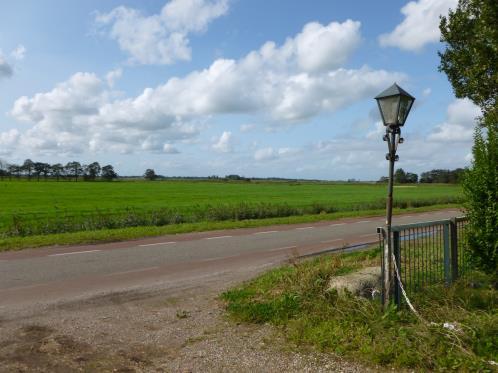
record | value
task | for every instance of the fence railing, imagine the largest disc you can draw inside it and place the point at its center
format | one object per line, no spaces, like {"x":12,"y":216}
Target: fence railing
{"x":426,"y":253}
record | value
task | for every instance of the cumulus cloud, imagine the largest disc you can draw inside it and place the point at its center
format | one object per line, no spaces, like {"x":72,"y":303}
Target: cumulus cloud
{"x":269,"y":153}
{"x":420,"y":25}
{"x":160,"y":38}
{"x":248,"y":127}
{"x":322,"y":48}
{"x":71,"y":119}
{"x":19,"y":52}
{"x":113,"y":75}
{"x":8,"y":141}
{"x":6,"y":70}
{"x":273,"y":81}
{"x":460,"y":122}
{"x":265,"y":154}
{"x":170,"y":149}
{"x":225,"y":143}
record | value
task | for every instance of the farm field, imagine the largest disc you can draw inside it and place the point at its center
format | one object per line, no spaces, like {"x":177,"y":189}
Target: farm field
{"x":54,"y":207}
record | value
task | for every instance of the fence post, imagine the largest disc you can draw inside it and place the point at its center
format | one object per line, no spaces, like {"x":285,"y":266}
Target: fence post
{"x":397,"y":256}
{"x":446,"y":242}
{"x":454,"y":249}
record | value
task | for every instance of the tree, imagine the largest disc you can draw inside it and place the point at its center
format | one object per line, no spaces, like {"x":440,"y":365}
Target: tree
{"x":150,"y":174}
{"x":57,"y":170}
{"x":14,"y":169}
{"x":108,"y":173}
{"x":480,"y":187}
{"x":3,"y":168}
{"x":28,"y":167}
{"x":400,"y":176}
{"x":470,"y":61}
{"x":74,"y":169}
{"x":92,"y":171}
{"x":411,"y":178}
{"x":38,"y":169}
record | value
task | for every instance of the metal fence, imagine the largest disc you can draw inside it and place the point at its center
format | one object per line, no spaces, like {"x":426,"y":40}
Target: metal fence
{"x":426,"y":253}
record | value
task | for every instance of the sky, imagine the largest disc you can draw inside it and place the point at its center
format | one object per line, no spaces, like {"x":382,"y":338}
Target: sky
{"x":258,"y":88}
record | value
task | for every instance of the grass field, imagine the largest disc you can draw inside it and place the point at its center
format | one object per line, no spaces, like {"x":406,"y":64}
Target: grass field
{"x":295,"y":298}
{"x":48,"y":207}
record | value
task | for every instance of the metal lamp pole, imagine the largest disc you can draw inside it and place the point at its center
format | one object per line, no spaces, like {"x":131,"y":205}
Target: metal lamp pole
{"x":393,"y":138}
{"x":394,"y":105}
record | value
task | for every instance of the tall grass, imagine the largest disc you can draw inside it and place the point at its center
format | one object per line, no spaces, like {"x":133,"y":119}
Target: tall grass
{"x":64,"y":221}
{"x":296,"y":299}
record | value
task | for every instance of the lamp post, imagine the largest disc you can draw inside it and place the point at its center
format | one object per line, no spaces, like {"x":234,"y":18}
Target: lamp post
{"x":394,"y":105}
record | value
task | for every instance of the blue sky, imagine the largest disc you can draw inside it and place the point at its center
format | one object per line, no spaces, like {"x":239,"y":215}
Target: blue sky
{"x":203,"y":87}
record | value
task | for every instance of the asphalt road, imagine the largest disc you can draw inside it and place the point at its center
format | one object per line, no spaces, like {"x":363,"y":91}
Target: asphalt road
{"x":55,"y":274}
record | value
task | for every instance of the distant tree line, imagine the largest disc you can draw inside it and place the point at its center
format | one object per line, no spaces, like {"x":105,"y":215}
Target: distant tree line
{"x":73,"y":171}
{"x":434,"y":176}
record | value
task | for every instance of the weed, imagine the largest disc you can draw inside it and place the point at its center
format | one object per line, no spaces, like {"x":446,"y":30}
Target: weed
{"x":295,"y":299}
{"x":182,"y":314}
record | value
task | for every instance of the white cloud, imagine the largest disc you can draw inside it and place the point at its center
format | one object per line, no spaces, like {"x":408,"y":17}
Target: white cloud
{"x":269,"y":153}
{"x":224,"y":143}
{"x":71,"y":119}
{"x":265,"y":154}
{"x":192,"y":15}
{"x":460,"y":123}
{"x":248,"y":127}
{"x":19,"y":53}
{"x":170,"y":149}
{"x":6,"y":70}
{"x":321,"y":48}
{"x":113,"y":75}
{"x":8,"y":141}
{"x":84,"y":113}
{"x":269,"y":80}
{"x":160,"y":38}
{"x":378,"y":132}
{"x":420,"y":25}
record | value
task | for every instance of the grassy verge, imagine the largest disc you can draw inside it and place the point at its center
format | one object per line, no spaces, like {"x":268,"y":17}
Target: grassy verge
{"x":110,"y":235}
{"x":294,"y":298}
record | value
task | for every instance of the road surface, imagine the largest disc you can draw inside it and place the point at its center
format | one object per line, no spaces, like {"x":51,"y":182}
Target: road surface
{"x":57,"y":274}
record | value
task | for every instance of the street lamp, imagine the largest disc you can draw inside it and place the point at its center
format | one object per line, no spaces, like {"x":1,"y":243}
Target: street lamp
{"x":394,"y":106}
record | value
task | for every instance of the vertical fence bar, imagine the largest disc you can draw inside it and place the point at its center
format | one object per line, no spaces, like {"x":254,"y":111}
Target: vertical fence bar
{"x":410,"y":264}
{"x":382,"y":237}
{"x":446,"y":242}
{"x":454,"y":249}
{"x":397,"y":256}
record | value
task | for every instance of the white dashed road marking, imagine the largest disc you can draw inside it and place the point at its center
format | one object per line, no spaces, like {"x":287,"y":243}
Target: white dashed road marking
{"x":75,"y":252}
{"x":217,"y":237}
{"x":219,"y":258}
{"x":283,"y":248}
{"x":266,"y":232}
{"x":303,"y":228}
{"x":157,"y":244}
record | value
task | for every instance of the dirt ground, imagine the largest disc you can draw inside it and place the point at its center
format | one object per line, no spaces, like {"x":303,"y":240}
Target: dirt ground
{"x":181,"y":329}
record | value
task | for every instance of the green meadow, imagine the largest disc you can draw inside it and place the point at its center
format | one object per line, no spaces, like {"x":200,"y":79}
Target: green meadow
{"x":35,"y":213}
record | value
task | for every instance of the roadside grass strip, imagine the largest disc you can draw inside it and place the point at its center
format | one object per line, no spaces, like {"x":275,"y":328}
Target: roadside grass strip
{"x":294,"y":298}
{"x":132,"y":233}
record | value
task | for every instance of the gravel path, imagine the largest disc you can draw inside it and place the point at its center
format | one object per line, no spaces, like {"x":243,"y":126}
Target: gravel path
{"x":181,"y":329}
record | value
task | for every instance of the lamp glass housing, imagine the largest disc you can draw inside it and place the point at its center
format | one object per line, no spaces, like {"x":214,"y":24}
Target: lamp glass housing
{"x":394,"y":105}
